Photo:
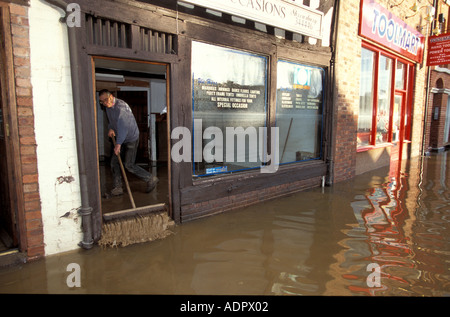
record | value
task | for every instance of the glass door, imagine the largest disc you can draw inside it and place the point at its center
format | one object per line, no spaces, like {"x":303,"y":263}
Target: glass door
{"x":397,"y":127}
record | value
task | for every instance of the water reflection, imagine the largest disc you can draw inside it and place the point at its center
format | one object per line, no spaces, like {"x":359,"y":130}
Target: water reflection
{"x":396,"y":220}
{"x":318,"y":242}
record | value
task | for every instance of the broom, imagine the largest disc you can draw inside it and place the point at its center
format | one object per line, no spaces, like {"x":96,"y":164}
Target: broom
{"x":135,"y":225}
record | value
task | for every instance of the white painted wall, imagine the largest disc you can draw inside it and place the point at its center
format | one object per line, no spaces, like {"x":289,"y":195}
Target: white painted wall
{"x":54,"y":128}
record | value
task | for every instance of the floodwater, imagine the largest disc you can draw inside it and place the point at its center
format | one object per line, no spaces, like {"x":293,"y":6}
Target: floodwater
{"x":384,"y":233}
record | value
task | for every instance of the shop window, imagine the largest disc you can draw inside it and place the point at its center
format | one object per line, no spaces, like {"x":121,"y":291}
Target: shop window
{"x":299,"y":111}
{"x":384,"y":99}
{"x":400,"y":75}
{"x":229,"y":91}
{"x":366,"y":97}
{"x":384,"y":111}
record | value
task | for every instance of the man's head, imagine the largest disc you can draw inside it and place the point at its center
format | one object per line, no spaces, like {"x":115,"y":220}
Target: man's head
{"x":106,"y":98}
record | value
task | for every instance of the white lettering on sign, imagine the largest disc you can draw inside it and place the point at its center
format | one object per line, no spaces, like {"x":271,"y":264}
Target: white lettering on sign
{"x":394,"y":32}
{"x":283,"y":14}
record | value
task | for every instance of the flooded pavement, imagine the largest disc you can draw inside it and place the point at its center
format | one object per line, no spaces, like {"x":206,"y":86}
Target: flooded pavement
{"x":384,"y":233}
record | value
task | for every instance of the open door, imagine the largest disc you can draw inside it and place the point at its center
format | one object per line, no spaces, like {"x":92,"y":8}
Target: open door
{"x":139,"y":85}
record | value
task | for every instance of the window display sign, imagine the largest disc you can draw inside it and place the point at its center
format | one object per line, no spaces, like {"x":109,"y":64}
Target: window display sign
{"x":229,"y":104}
{"x":439,"y":50}
{"x":284,"y":14}
{"x":299,"y":111}
{"x":383,"y":27}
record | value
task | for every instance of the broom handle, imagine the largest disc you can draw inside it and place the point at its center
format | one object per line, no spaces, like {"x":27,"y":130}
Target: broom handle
{"x":124,"y":175}
{"x":285,"y":142}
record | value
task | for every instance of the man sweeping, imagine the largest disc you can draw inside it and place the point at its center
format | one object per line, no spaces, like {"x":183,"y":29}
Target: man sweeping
{"x":123,"y":126}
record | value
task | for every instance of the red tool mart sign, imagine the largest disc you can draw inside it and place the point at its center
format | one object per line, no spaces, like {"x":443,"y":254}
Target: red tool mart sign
{"x":381,"y":26}
{"x":439,"y":50}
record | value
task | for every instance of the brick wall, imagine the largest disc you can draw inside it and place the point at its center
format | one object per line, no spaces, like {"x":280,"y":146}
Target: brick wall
{"x":348,"y":55}
{"x":348,"y":63}
{"x":27,"y":142}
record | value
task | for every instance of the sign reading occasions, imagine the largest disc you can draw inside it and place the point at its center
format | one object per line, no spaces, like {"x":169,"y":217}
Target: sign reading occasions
{"x":383,"y":27}
{"x":284,"y":14}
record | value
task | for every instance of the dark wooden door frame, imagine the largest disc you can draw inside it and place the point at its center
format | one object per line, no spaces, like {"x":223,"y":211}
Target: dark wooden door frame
{"x":168,"y":91}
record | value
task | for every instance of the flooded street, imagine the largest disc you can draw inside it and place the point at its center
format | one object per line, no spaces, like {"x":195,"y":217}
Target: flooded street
{"x":384,"y":233}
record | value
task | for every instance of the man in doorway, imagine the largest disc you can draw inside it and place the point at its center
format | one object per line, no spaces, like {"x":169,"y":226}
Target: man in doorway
{"x":122,"y":125}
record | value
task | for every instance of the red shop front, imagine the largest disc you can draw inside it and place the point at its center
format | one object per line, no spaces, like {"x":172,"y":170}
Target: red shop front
{"x":390,"y":50}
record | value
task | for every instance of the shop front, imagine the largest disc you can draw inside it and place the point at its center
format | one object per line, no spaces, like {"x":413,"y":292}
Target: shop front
{"x":232,"y":108}
{"x":390,"y":51}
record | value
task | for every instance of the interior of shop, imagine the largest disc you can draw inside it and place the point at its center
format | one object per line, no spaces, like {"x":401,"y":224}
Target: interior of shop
{"x":143,"y":87}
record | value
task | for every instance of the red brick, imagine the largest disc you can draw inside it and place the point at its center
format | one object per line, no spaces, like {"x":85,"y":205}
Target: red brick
{"x":22,"y":72}
{"x":22,"y":61}
{"x":25,"y":92}
{"x":25,"y":83}
{"x":32,"y":178}
{"x":28,"y":150}
{"x":19,"y":20}
{"x":31,"y":196}
{"x":29,"y":188}
{"x":21,"y":52}
{"x":31,"y":206}
{"x":26,"y":131}
{"x":19,"y":10}
{"x":29,"y":168}
{"x":23,"y":42}
{"x":28,"y":140}
{"x":19,"y":30}
{"x":26,"y":121}
{"x":24,"y":111}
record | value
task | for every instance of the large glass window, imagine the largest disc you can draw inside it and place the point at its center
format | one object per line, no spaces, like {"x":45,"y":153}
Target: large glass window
{"x":299,"y":111}
{"x":383,"y":98}
{"x":400,"y":72}
{"x":229,"y":90}
{"x":366,"y":92}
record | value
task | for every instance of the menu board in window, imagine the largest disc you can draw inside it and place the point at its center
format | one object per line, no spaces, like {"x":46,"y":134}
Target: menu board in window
{"x":299,"y":111}
{"x":229,"y":90}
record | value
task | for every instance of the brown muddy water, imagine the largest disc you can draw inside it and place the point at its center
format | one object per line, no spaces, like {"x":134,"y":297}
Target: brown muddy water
{"x":384,"y":233}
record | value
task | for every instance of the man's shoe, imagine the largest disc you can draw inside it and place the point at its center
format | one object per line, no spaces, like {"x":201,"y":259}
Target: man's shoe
{"x":151,"y":184}
{"x":117,"y":191}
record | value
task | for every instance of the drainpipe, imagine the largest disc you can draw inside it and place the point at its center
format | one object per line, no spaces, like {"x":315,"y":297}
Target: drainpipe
{"x":85,"y":210}
{"x":424,"y":132}
{"x":332,"y":142}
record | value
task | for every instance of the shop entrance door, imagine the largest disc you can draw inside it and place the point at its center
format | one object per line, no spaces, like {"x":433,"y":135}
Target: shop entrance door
{"x":397,"y":133}
{"x":143,"y":87}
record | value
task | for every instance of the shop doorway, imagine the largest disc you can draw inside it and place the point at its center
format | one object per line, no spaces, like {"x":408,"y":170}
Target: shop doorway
{"x":397,"y":133}
{"x":143,"y":86}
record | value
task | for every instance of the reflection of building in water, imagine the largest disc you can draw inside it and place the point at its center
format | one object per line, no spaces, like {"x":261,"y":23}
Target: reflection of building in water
{"x":393,"y":217}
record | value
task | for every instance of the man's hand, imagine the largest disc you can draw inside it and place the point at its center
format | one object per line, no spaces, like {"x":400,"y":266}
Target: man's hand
{"x":111,"y":133}
{"x":117,"y":149}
